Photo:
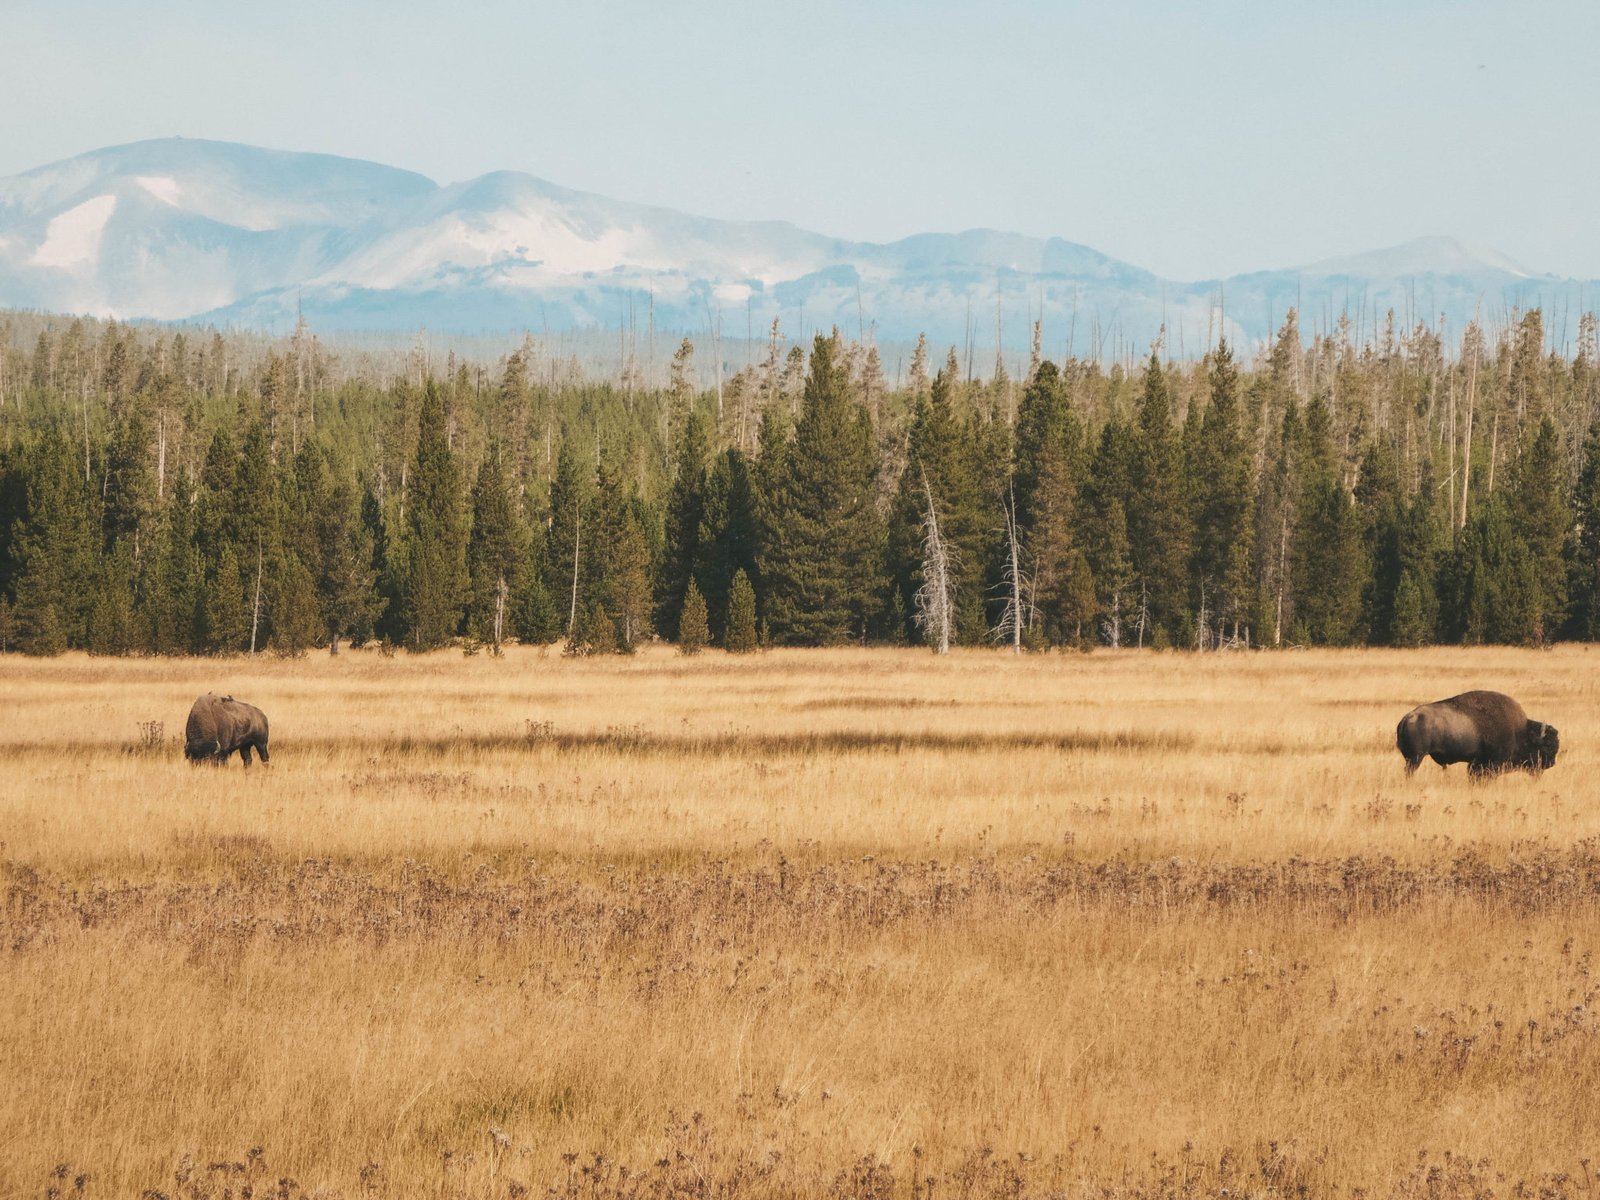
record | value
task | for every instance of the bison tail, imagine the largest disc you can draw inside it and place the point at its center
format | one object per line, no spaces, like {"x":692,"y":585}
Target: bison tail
{"x":1408,"y":741}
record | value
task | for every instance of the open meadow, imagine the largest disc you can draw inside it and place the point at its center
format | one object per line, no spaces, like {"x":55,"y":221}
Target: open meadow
{"x":832,"y":922}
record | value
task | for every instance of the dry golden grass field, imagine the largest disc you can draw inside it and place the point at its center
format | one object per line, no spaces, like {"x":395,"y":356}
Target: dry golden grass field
{"x":854,"y":923}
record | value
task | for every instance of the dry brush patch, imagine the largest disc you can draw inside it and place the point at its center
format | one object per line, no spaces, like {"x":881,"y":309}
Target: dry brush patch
{"x":844,"y":923}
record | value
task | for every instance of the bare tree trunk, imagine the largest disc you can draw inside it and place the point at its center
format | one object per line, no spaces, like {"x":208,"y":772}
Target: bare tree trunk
{"x":83,"y":391}
{"x":1494,"y":450}
{"x":1283,"y":562}
{"x":1016,"y":583}
{"x":1012,"y":623}
{"x":255,"y":608}
{"x":1450,"y":444}
{"x":161,"y":457}
{"x":934,"y":602}
{"x":577,"y":540}
{"x":1466,"y":440}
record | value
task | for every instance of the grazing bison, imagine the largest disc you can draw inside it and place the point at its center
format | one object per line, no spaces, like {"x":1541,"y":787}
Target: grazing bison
{"x":1486,"y":730}
{"x":219,"y":725}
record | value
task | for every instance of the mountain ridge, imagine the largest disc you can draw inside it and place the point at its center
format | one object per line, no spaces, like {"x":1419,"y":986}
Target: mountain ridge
{"x":193,"y":229}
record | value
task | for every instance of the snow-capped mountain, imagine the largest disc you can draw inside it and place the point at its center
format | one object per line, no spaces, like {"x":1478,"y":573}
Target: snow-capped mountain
{"x":184,"y":229}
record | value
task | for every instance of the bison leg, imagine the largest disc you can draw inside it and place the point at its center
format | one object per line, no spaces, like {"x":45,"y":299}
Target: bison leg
{"x":244,"y":753}
{"x":261,"y":748}
{"x":1412,"y":764}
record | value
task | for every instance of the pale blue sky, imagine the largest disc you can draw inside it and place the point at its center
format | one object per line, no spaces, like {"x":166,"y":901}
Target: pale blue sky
{"x":1195,"y":140}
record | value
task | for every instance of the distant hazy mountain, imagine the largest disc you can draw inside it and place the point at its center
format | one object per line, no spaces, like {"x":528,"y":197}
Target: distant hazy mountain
{"x":178,"y":228}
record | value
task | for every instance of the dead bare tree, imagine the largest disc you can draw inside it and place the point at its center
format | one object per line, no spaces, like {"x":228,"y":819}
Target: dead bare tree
{"x":1474,"y":343}
{"x":255,"y":607}
{"x":935,"y":599}
{"x":501,"y":592}
{"x":1015,"y":585}
{"x":577,"y":540}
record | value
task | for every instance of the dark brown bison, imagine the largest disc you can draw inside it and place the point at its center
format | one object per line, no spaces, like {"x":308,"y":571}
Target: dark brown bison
{"x":1486,"y":730}
{"x":219,"y":725}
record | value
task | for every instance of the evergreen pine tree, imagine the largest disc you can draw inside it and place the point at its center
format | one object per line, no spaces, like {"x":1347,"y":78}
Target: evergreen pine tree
{"x":740,"y":634}
{"x":684,"y":513}
{"x":616,"y":561}
{"x":1048,"y":459}
{"x":569,"y":497}
{"x":129,"y":487}
{"x":1383,"y":519}
{"x":216,"y":510}
{"x":693,"y":632}
{"x":436,"y":533}
{"x":1106,"y":494}
{"x":1493,"y":588}
{"x":59,"y":545}
{"x":1330,"y":566}
{"x":346,"y":576}
{"x":1278,"y":516}
{"x":1224,"y":501}
{"x":1585,"y":574}
{"x":1409,"y":625}
{"x":629,"y":582}
{"x":822,"y":544}
{"x":728,"y":532}
{"x":175,"y":592}
{"x":387,"y":571}
{"x":941,"y":461}
{"x":498,"y":554}
{"x":227,"y":608}
{"x":1422,"y":543}
{"x":112,"y":628}
{"x":296,"y":621}
{"x":254,"y":508}
{"x":595,"y":632}
{"x":1120,"y":600}
{"x":537,"y":622}
{"x":1542,"y":517}
{"x":1159,"y":532}
{"x":680,"y":401}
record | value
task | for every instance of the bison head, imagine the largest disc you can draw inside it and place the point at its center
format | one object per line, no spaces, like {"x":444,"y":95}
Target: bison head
{"x":1540,"y":742}
{"x":200,"y":751}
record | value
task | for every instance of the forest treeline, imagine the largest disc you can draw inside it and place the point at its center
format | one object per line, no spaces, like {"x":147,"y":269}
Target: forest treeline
{"x":195,"y":493}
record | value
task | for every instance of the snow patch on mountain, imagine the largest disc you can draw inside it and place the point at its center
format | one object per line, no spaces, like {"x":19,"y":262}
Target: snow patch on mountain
{"x":1421,"y":256}
{"x":74,"y":236}
{"x":162,"y":187}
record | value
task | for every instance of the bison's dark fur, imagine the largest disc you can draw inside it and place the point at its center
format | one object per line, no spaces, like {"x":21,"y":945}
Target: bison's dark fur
{"x":1486,"y":730}
{"x":219,"y":725}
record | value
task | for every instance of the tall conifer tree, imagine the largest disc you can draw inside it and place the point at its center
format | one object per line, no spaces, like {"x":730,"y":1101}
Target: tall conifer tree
{"x":1159,"y":531}
{"x":1224,"y":501}
{"x":824,"y":539}
{"x":436,"y":533}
